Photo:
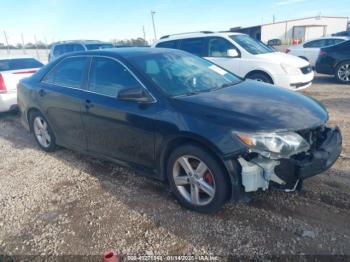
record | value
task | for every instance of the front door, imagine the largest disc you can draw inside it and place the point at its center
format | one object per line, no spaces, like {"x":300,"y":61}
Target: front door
{"x":217,"y":53}
{"x":122,"y":130}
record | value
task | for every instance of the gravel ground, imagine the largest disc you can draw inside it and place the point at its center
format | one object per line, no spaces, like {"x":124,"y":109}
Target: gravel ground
{"x":65,"y":203}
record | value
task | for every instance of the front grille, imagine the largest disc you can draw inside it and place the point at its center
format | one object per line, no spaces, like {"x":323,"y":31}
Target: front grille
{"x":306,"y":69}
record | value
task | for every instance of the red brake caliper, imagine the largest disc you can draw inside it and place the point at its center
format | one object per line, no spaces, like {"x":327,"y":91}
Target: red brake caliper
{"x":208,"y":177}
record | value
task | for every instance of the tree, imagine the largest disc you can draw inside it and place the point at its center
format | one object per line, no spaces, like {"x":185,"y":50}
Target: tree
{"x":138,"y":42}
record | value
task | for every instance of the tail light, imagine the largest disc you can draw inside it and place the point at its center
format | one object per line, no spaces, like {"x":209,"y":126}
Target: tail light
{"x":323,"y":53}
{"x":2,"y":85}
{"x":25,"y":72}
{"x":287,"y":51}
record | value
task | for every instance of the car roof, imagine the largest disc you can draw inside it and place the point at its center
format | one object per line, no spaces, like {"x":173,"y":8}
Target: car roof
{"x":124,"y":52}
{"x":84,"y":42}
{"x":195,"y":34}
{"x":329,"y":37}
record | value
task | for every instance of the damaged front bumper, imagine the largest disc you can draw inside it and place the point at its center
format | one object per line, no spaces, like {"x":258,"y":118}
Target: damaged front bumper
{"x":259,"y":172}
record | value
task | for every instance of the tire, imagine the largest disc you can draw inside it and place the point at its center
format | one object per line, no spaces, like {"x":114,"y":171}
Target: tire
{"x":48,"y":139}
{"x":342,"y":72}
{"x":261,"y":77}
{"x":209,"y":177}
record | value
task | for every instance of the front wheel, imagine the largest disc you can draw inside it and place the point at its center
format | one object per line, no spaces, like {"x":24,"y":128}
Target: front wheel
{"x":197,"y":179}
{"x":42,"y":132}
{"x":342,"y":72}
{"x":260,"y":77}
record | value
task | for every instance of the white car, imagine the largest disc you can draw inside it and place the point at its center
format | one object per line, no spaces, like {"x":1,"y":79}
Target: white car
{"x":311,"y":49}
{"x":245,"y":57}
{"x":13,"y":69}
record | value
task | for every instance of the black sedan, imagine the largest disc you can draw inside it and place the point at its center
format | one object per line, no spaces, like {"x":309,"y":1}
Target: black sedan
{"x":176,"y":117}
{"x":335,"y":60}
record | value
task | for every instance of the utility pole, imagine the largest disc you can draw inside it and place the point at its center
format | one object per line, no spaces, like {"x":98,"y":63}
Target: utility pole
{"x":7,"y":42}
{"x":23,"y":47}
{"x":273,"y":18}
{"x":154,"y":25}
{"x":144,"y":32}
{"x":36,"y":48}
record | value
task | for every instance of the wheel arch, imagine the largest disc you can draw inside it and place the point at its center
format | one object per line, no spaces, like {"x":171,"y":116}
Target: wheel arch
{"x":260,"y":71}
{"x":303,"y":57}
{"x":184,"y":139}
{"x":29,"y":112}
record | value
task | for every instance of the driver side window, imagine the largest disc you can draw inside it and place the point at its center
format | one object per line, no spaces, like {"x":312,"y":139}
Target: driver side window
{"x":315,"y":44}
{"x":218,"y":47}
{"x":108,"y":77}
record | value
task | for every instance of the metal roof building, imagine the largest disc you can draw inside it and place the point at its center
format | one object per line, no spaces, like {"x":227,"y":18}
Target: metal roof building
{"x":302,"y":29}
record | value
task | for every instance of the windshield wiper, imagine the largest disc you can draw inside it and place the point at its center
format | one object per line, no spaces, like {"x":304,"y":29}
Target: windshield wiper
{"x":227,"y":85}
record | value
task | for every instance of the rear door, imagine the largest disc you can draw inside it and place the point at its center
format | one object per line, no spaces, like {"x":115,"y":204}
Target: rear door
{"x":60,"y":95}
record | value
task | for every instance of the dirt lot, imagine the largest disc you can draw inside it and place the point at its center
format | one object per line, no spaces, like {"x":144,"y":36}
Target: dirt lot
{"x":66,"y":203}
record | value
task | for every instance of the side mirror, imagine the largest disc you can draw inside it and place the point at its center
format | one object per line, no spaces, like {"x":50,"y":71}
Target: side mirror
{"x":137,"y":94}
{"x":232,"y":53}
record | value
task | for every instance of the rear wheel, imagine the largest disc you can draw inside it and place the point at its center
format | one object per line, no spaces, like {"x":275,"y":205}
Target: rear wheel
{"x":197,"y":179}
{"x":261,"y":77}
{"x":42,"y":132}
{"x":342,"y":72}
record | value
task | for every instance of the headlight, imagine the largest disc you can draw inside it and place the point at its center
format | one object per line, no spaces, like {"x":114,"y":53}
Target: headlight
{"x":281,"y":145}
{"x":290,"y":70}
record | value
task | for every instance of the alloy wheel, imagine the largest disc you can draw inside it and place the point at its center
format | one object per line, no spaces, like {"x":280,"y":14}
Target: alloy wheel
{"x":41,"y":131}
{"x":344,"y":72}
{"x":194,"y":180}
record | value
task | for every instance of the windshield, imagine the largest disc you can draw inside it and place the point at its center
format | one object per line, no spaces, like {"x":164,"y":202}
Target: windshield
{"x":251,"y":45}
{"x":178,"y":73}
{"x":19,"y":63}
{"x":98,"y":46}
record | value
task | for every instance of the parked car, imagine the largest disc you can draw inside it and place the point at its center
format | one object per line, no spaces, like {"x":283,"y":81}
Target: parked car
{"x":179,"y":118}
{"x":343,"y":33}
{"x":64,"y":47}
{"x":310,"y":49}
{"x":12,"y":69}
{"x":274,"y":42}
{"x":335,"y":60}
{"x":245,"y":57}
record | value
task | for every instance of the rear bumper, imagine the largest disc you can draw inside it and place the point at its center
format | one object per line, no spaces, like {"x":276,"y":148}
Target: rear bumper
{"x":323,"y":68}
{"x":8,"y":101}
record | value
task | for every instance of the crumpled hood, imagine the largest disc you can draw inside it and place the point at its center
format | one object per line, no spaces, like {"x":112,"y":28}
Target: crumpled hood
{"x":254,"y":106}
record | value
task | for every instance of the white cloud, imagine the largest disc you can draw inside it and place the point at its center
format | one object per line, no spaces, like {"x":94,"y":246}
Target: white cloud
{"x":290,"y":2}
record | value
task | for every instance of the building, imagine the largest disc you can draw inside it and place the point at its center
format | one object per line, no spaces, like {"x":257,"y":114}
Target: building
{"x":302,"y":29}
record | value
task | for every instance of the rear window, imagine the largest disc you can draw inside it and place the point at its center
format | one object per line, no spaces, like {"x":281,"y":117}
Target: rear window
{"x":98,"y":46}
{"x":20,"y":63}
{"x":168,"y":44}
{"x":69,"y":72}
{"x":194,"y":46}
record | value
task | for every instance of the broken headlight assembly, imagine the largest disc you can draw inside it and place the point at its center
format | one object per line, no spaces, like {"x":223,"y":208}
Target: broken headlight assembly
{"x":274,"y":145}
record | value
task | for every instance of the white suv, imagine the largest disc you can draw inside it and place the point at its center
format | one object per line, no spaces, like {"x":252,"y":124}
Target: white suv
{"x":245,"y":57}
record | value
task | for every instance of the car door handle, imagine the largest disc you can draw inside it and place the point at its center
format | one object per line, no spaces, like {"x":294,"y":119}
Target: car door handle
{"x":88,"y":104}
{"x":42,"y":92}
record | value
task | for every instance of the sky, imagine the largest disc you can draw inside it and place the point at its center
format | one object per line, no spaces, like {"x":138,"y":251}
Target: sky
{"x":55,"y":20}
